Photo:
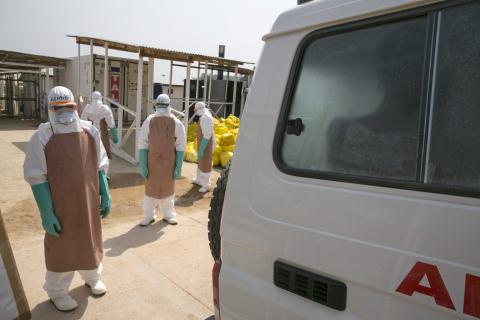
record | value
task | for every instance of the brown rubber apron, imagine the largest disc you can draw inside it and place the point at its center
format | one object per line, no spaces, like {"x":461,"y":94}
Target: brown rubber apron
{"x":105,"y":137}
{"x":72,"y":171}
{"x":161,"y":158}
{"x":205,"y":164}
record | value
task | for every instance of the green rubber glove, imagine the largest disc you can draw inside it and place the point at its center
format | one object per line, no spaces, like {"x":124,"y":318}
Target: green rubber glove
{"x":144,"y":163}
{"x":43,"y":197}
{"x":106,"y":199}
{"x":202,"y":147}
{"x":177,"y":171}
{"x":114,"y":135}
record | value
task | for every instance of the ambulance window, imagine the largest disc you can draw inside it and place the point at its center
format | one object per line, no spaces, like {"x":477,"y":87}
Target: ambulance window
{"x":358,"y":96}
{"x":454,"y":149}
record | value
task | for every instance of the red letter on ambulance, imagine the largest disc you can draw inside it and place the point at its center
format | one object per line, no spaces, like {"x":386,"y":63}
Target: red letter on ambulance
{"x":437,"y":288}
{"x":471,"y":305}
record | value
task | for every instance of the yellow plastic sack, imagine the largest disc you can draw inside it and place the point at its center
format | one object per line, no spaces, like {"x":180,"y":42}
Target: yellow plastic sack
{"x":232,"y":122}
{"x":192,"y":132}
{"x":218,"y":150}
{"x":227,"y":139}
{"x":229,"y":148}
{"x":191,"y":155}
{"x":221,"y":129}
{"x":215,"y":160}
{"x":225,"y":158}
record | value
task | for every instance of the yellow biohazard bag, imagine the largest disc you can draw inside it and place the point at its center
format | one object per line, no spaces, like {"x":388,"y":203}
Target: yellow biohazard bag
{"x":191,"y":155}
{"x":215,"y":160}
{"x":227,"y":139}
{"x":225,"y":158}
{"x":229,"y":148}
{"x":218,"y":150}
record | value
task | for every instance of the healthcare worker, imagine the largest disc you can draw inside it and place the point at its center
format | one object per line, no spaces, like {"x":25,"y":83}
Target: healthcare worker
{"x":102,"y":118}
{"x":65,"y":166}
{"x":206,"y":145}
{"x":162,"y":146}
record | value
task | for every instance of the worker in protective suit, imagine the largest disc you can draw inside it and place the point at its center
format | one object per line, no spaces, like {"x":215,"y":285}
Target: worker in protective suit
{"x":65,"y":166}
{"x":206,"y":145}
{"x":162,"y":146}
{"x":102,"y":118}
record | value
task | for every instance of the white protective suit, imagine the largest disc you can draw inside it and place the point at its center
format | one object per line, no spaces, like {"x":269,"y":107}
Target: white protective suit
{"x":96,"y":111}
{"x":35,"y":172}
{"x":166,"y":205}
{"x":206,"y":124}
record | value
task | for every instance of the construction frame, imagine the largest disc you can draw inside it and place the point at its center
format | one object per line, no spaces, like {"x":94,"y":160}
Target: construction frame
{"x":177,"y":59}
{"x":13,"y":68}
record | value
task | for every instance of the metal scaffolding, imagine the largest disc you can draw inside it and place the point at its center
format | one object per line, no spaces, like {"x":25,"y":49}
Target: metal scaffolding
{"x":26,"y":81}
{"x":177,"y":59}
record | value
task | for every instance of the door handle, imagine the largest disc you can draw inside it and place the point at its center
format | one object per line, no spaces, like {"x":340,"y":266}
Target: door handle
{"x":295,"y":127}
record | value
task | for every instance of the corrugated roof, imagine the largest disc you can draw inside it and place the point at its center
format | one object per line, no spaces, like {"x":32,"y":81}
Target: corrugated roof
{"x":26,"y":61}
{"x":165,"y":54}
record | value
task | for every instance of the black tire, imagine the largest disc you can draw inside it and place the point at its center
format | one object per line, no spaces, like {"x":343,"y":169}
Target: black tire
{"x":215,"y":213}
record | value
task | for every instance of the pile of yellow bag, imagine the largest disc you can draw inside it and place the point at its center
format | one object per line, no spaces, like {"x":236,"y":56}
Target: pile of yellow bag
{"x":226,"y":131}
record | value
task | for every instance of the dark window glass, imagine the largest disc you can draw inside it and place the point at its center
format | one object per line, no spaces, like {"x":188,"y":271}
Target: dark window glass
{"x":454,"y":150}
{"x":359,"y":97}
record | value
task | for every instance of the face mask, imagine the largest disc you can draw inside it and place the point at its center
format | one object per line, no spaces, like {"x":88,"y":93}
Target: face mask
{"x":199,"y":112}
{"x":161,"y":108}
{"x":65,"y":117}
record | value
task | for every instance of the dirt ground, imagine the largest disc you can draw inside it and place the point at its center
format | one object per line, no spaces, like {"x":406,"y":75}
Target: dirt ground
{"x":158,"y":272}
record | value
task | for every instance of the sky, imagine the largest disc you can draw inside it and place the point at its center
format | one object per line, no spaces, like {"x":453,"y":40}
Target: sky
{"x":197,"y":26}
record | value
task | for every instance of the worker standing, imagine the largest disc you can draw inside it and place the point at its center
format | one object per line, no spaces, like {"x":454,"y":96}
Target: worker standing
{"x":162,"y":146}
{"x":206,"y":145}
{"x":65,"y":165}
{"x":102,"y":118}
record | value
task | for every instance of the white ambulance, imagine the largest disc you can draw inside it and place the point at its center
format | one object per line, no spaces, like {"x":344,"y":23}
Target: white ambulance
{"x":354,"y":192}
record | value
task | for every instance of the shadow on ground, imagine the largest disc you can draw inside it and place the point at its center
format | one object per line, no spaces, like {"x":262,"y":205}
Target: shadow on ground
{"x":125,"y":180}
{"x":21,"y":145}
{"x":8,"y":124}
{"x":80,"y":294}
{"x":187,"y":199}
{"x":134,"y":238}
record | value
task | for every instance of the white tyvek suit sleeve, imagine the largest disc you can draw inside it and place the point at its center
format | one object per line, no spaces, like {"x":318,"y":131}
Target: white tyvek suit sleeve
{"x":102,"y":157}
{"x":206,"y":124}
{"x":35,"y":165}
{"x":144,"y":133}
{"x":108,"y":115}
{"x":180,"y":136}
{"x":85,"y":111}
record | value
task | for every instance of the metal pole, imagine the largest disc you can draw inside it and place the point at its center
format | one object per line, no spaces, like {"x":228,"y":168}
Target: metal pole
{"x":78,"y":80}
{"x":187,"y":97}
{"x":150,"y":97}
{"x":37,"y":95}
{"x":198,"y":82}
{"x":171,"y":77}
{"x":210,"y":85}
{"x":235,"y":91}
{"x":205,"y":83}
{"x":138,"y":116}
{"x":105,"y":72}
{"x":91,"y":67}
{"x":47,"y":89}
{"x":226,"y":94}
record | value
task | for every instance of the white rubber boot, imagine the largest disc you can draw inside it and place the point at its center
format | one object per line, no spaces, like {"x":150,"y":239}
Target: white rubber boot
{"x":97,"y":288}
{"x":147,"y":221}
{"x":203,"y":190}
{"x":64,"y":303}
{"x":172,"y":221}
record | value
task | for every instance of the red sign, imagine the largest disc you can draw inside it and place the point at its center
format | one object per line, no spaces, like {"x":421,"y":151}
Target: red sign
{"x":115,"y":87}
